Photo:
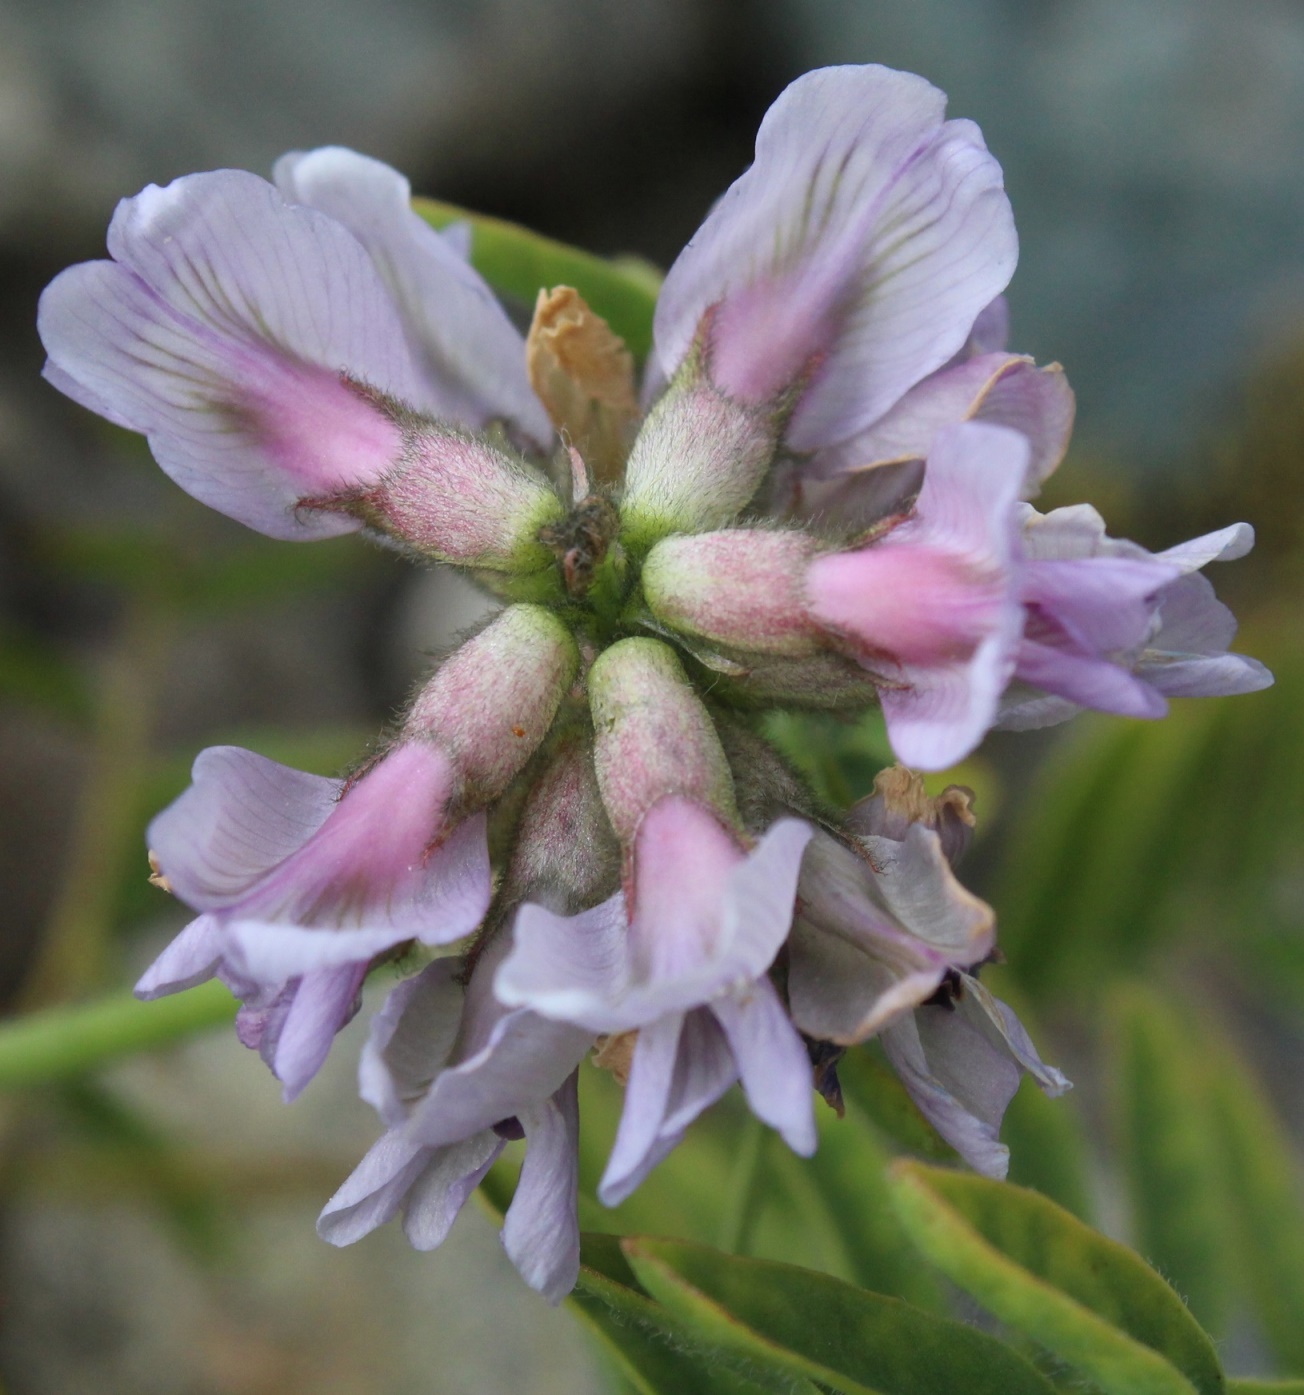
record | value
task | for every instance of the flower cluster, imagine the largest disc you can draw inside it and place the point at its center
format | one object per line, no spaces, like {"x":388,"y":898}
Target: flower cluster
{"x":816,"y":499}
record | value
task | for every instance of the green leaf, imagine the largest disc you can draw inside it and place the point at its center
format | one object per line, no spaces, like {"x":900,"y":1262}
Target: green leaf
{"x":1263,"y":1199}
{"x":1264,"y":1387}
{"x":64,"y":1042}
{"x":816,"y":1326}
{"x":1176,"y":1178}
{"x":848,"y":1179}
{"x":1090,"y":1301}
{"x":520,"y":263}
{"x":654,"y":1349}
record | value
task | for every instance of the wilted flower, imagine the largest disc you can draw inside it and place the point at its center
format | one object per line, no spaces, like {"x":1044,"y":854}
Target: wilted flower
{"x":815,"y":500}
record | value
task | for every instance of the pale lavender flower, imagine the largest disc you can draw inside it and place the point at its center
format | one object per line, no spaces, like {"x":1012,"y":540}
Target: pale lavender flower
{"x":303,"y":883}
{"x":1121,"y":654}
{"x":815,"y":501}
{"x":684,"y":964}
{"x":299,"y":889}
{"x":962,"y":1059}
{"x":455,"y":1075}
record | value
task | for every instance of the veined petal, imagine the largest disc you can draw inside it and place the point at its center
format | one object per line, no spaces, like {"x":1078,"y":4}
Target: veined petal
{"x":381,"y":869}
{"x":441,"y":1188}
{"x":708,"y":916}
{"x":1225,"y":545}
{"x":869,"y":234}
{"x":194,"y":956}
{"x":1003,"y":389}
{"x":411,"y":1039}
{"x":1188,"y":655}
{"x":244,"y":337}
{"x":321,"y":1003}
{"x":772,"y":1061}
{"x":939,"y":705}
{"x":1101,"y":604}
{"x":961,"y":1085}
{"x":373,"y":1191}
{"x":1088,"y":680}
{"x":681,"y":1065}
{"x":472,"y":354}
{"x":526,"y":1059}
{"x":541,"y":1232}
{"x":242,"y":815}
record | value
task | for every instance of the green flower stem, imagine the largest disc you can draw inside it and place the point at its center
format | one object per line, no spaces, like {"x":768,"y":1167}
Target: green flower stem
{"x":60,"y":1043}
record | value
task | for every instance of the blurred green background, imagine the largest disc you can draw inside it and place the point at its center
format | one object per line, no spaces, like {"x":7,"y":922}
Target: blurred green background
{"x":156,"y":1218}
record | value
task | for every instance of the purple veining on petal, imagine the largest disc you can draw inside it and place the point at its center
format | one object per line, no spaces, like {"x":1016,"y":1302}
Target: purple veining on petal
{"x":859,"y":248}
{"x":472,"y":355}
{"x":223,"y":329}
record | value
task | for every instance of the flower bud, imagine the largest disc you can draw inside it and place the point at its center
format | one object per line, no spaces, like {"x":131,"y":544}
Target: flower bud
{"x":490,"y":704}
{"x":743,"y":587}
{"x":653,"y":737}
{"x":697,"y":461}
{"x":566,"y":857}
{"x":458,"y":498}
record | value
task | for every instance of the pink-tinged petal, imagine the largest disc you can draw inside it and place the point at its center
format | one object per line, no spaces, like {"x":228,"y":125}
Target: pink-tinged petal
{"x":682,"y":1064}
{"x":708,"y":916}
{"x":373,"y":875}
{"x":472,"y":355}
{"x":193,"y":957}
{"x":237,"y":332}
{"x":772,"y":1061}
{"x":323,"y":1002}
{"x":242,"y":815}
{"x":373,"y":1191}
{"x":1001,"y":389}
{"x":863,"y":243}
{"x":441,"y":1189}
{"x":541,"y":1232}
{"x":945,"y":712}
{"x":907,"y":604}
{"x":936,"y":713}
{"x":705,"y":914}
{"x":410,"y":1039}
{"x":1088,"y":681}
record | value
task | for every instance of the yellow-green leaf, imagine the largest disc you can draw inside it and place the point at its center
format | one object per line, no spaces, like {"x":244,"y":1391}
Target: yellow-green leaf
{"x":1092,"y":1302}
